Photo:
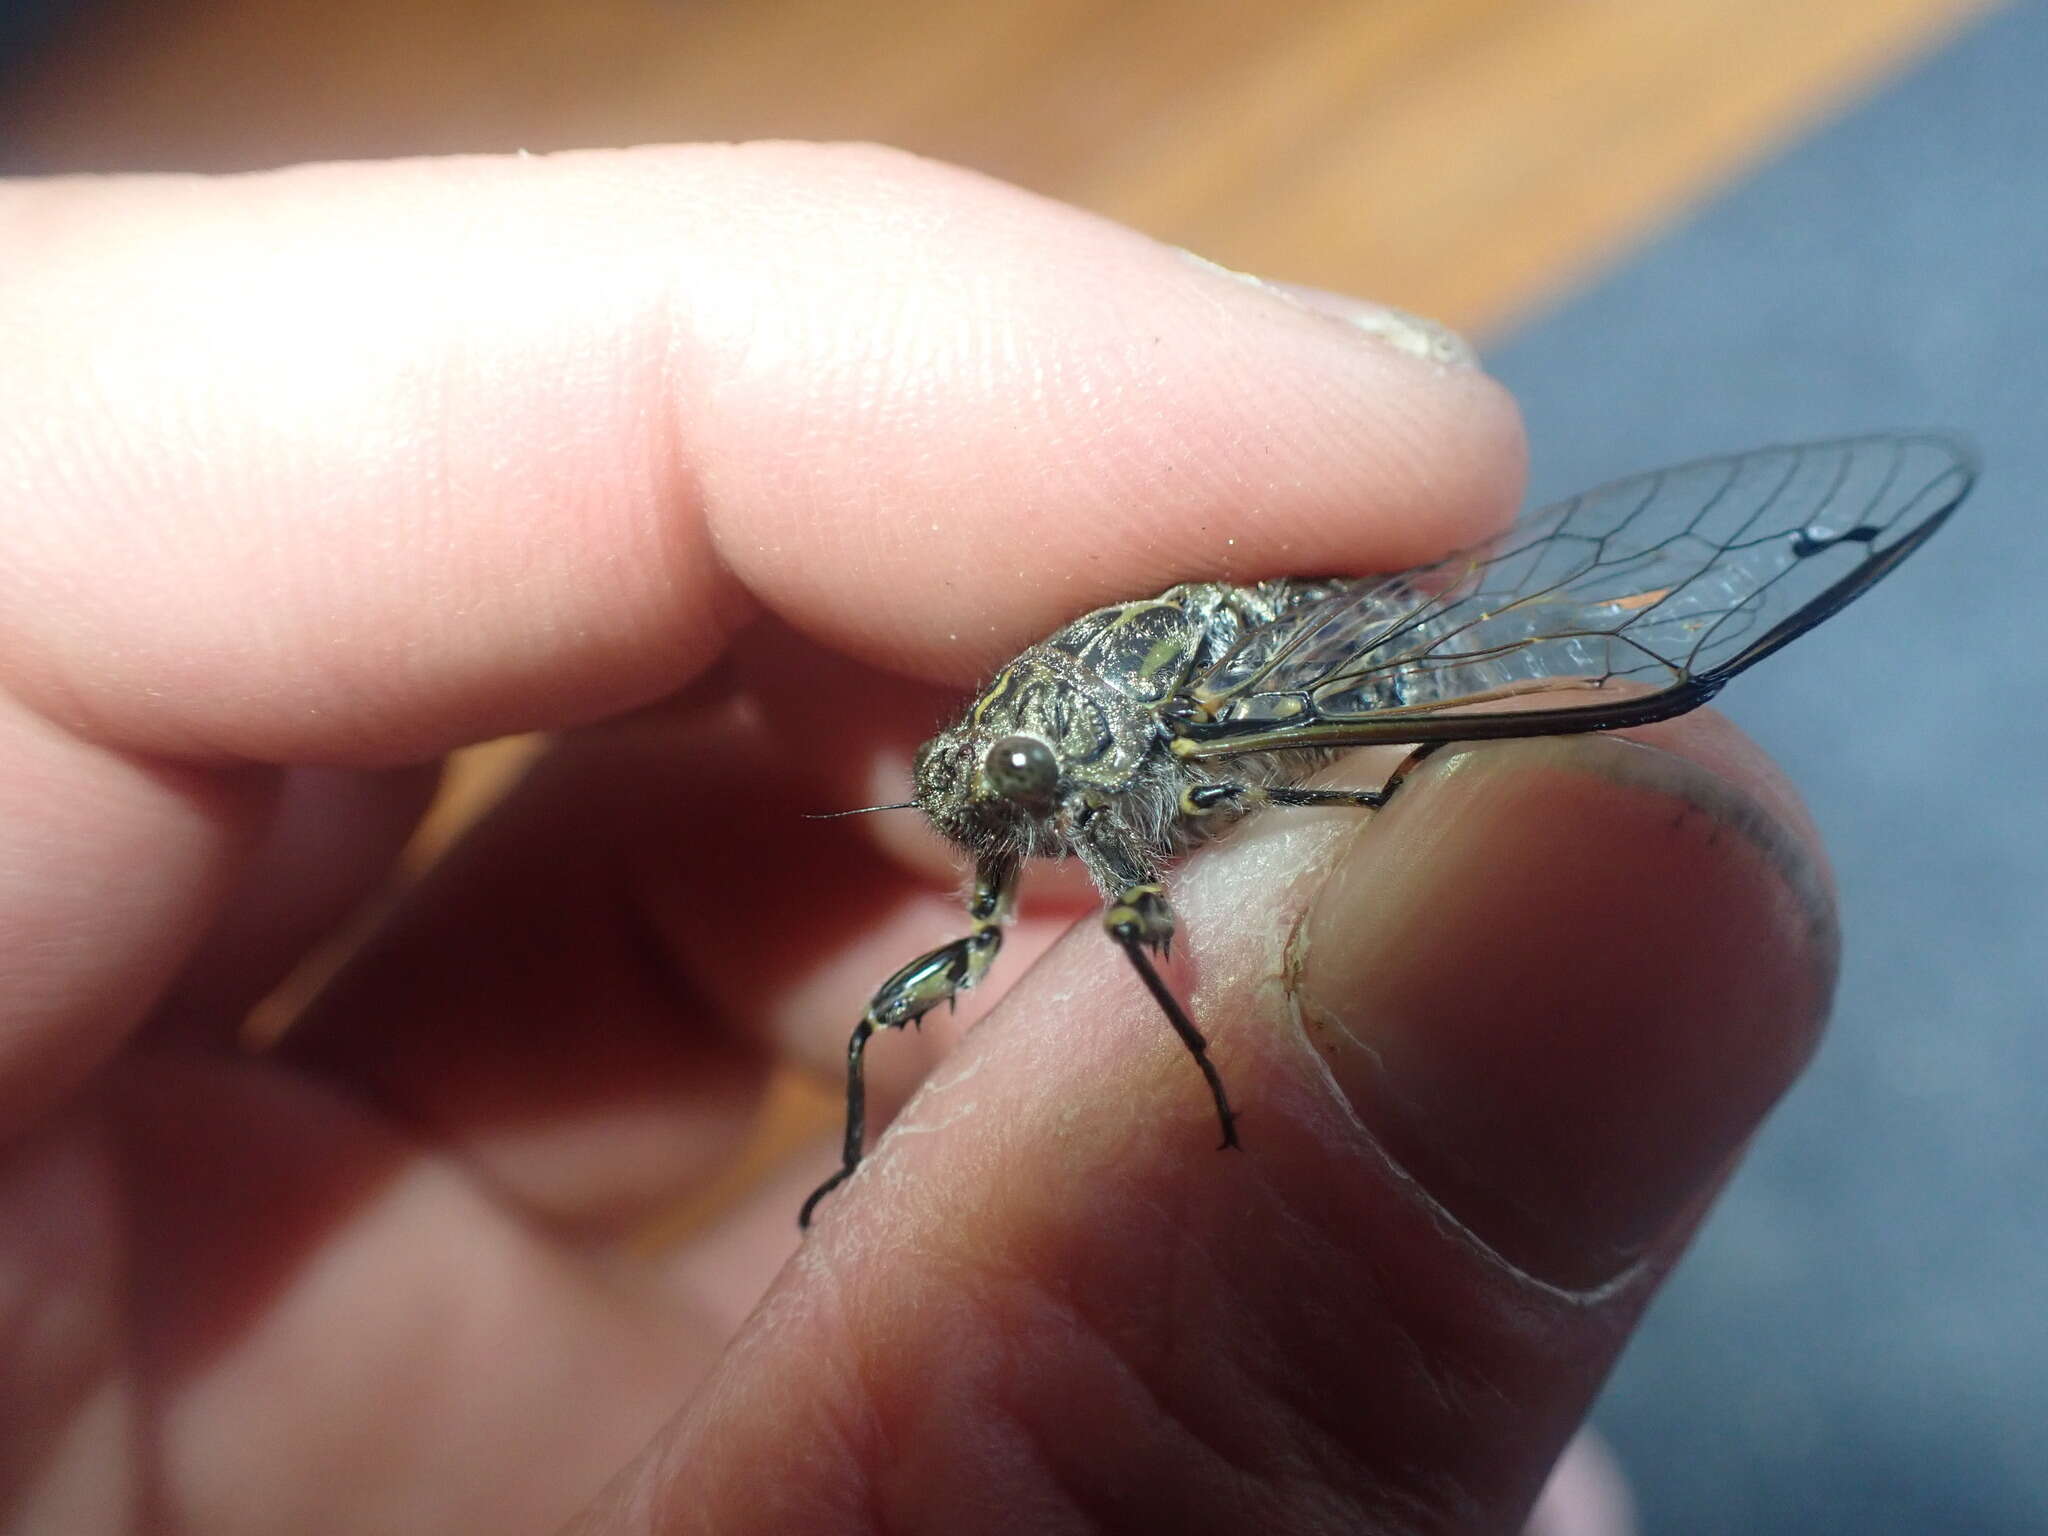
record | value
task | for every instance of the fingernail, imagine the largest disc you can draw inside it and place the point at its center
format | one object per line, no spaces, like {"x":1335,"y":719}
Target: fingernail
{"x":1416,"y":335}
{"x":1427,"y":339}
{"x":1560,"y":982}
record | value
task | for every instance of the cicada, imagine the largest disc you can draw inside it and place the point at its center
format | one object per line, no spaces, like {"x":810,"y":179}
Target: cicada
{"x":1143,"y":728}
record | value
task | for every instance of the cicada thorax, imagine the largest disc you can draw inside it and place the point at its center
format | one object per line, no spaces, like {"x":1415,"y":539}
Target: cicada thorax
{"x":1147,"y":653}
{"x":1102,"y":692}
{"x":1096,"y":688}
{"x":1093,"y":692}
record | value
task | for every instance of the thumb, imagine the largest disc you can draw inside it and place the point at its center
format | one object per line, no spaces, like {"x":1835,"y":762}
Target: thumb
{"x":1493,"y":1050}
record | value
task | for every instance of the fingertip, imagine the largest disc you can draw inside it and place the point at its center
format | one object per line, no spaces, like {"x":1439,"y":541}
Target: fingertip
{"x":1093,"y":416}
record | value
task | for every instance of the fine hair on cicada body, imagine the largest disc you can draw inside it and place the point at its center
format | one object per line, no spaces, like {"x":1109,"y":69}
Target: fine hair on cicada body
{"x":1144,"y":727}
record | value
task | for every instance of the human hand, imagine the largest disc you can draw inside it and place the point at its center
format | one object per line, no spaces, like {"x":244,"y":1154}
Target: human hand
{"x":692,"y":456}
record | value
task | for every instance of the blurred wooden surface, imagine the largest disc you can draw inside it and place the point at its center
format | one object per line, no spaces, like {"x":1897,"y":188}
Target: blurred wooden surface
{"x":1462,"y":158}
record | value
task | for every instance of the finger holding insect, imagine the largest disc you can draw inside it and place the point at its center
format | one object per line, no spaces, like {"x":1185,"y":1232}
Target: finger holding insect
{"x":1492,"y":1049}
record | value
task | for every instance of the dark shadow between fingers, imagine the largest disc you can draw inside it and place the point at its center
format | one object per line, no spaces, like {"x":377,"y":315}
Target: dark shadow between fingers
{"x":588,"y":995}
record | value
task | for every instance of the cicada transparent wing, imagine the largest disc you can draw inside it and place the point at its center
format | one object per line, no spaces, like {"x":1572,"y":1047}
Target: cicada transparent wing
{"x":1626,"y":604}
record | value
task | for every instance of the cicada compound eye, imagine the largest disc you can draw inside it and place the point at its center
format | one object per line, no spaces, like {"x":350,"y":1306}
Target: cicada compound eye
{"x":1022,"y":769}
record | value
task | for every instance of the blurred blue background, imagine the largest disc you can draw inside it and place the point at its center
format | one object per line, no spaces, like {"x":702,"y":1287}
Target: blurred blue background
{"x":1860,"y":1341}
{"x":23,"y":25}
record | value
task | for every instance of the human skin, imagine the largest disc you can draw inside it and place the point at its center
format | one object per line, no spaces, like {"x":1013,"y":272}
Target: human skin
{"x":736,"y":467}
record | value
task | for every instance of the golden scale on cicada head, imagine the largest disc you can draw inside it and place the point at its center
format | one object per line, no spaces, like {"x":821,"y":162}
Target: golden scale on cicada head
{"x":1142,"y":728}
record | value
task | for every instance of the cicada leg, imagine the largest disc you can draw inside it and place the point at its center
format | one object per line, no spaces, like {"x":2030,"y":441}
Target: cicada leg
{"x":1202,"y":799}
{"x":1140,"y":920}
{"x":914,"y":991}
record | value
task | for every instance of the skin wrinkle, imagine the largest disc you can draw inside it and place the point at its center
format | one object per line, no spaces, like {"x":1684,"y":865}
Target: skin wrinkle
{"x":884,"y":1442}
{"x":1444,"y":1383}
{"x":990,"y":1299}
{"x":1307,"y":1453}
{"x":1283,"y":1442}
{"x":1293,"y":1390}
{"x":644,"y":939}
{"x":677,"y":456}
{"x":1531,"y":1303}
{"x":1304,"y":1439}
{"x":1132,"y":1363}
{"x":1079,"y":1495}
{"x":1082,"y":1485}
{"x":662,"y":1482}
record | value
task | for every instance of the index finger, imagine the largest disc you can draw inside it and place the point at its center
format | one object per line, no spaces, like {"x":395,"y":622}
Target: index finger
{"x":362,"y":462}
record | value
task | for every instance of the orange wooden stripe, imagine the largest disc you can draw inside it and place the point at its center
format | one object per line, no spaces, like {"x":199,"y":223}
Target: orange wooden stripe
{"x":1463,"y":158}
